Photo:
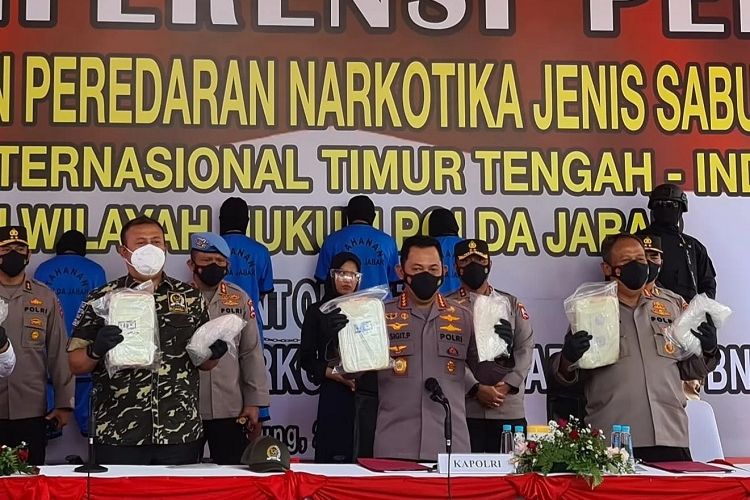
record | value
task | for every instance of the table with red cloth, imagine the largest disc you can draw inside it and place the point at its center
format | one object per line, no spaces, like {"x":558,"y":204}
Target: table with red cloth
{"x":317,"y":481}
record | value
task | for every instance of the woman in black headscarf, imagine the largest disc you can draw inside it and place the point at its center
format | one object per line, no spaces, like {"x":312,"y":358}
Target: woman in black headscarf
{"x":334,"y":437}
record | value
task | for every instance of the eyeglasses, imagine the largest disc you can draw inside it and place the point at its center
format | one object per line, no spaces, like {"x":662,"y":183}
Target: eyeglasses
{"x":340,"y":274}
{"x":667,"y":204}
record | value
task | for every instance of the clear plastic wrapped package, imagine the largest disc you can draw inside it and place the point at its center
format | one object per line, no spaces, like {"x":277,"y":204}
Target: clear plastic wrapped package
{"x":594,"y":308}
{"x":134,"y":311}
{"x":363,"y":342}
{"x":680,"y":332}
{"x":227,"y":328}
{"x":487,"y":311}
{"x":3,"y":311}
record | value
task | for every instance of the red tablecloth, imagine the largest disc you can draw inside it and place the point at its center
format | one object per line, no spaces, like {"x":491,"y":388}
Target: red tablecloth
{"x":298,"y":485}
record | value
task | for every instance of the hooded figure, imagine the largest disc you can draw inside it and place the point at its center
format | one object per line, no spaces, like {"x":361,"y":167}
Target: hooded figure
{"x":334,"y":437}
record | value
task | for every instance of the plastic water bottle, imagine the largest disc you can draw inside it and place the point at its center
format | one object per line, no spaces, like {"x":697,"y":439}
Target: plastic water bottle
{"x":506,"y":439}
{"x":616,"y":437}
{"x":518,"y":435}
{"x":626,"y":440}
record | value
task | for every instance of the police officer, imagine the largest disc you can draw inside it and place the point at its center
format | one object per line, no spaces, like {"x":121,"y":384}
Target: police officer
{"x":378,"y":256}
{"x":430,"y":337}
{"x":233,"y":392}
{"x":652,"y":245}
{"x":72,"y":276}
{"x":36,"y":328}
{"x":443,"y":227}
{"x":687,"y":268}
{"x":644,"y":387}
{"x":250,"y":265}
{"x":495,"y":397}
{"x":7,"y":355}
{"x":141,"y":417}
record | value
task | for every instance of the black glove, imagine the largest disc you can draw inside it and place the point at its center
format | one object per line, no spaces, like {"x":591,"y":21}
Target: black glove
{"x":575,"y":345}
{"x":107,"y":337}
{"x":707,"y":335}
{"x":333,"y":322}
{"x":218,"y":349}
{"x":505,"y":332}
{"x":3,"y":337}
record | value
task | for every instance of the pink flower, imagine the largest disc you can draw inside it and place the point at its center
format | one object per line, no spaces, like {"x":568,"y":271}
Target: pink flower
{"x":562,"y":422}
{"x":532,"y":446}
{"x":574,"y":435}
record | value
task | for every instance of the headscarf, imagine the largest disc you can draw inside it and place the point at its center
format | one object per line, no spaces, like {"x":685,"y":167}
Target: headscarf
{"x":337,"y":261}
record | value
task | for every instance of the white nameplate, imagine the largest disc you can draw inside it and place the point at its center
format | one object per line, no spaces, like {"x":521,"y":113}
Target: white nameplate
{"x":476,"y":463}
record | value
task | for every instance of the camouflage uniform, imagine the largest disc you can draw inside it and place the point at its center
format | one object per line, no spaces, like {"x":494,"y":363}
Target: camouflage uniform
{"x":138,"y":407}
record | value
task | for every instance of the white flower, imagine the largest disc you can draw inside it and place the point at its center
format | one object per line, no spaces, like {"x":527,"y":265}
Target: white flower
{"x":552,"y":425}
{"x":611,"y":452}
{"x":624,"y":455}
{"x":520,"y":448}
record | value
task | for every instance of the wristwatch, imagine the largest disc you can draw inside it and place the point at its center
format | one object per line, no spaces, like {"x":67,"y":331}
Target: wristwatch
{"x":473,"y":391}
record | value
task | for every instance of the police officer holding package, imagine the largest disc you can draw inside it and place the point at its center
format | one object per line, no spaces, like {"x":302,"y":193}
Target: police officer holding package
{"x":36,"y":329}
{"x":143,"y":417}
{"x":430,"y":337}
{"x":643,"y":388}
{"x":687,"y":268}
{"x":233,"y":392}
{"x":495,"y":396}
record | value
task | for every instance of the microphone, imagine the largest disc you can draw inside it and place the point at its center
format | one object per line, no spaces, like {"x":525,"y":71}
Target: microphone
{"x":433,"y":387}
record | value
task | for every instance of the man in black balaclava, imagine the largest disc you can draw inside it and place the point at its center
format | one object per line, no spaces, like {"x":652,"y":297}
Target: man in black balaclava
{"x":687,"y":269}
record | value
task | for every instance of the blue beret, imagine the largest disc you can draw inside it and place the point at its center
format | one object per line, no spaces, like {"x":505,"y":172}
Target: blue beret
{"x":209,"y":243}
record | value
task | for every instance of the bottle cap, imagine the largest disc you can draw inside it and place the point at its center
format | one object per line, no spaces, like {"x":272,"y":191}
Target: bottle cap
{"x":616,"y":428}
{"x":507,"y":428}
{"x":626,"y":428}
{"x":519,"y":428}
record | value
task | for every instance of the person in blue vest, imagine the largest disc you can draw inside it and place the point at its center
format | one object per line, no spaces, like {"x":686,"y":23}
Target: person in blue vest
{"x":442,"y":226}
{"x":250,"y":264}
{"x":375,"y":249}
{"x":378,"y":256}
{"x":71,"y":275}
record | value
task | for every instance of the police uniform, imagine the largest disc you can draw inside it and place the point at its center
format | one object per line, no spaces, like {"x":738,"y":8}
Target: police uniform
{"x":436,"y":342}
{"x":512,"y":371}
{"x":36,"y":328}
{"x":643,"y":388}
{"x":235,"y":382}
{"x":72,"y":277}
{"x":136,"y":411}
{"x":652,"y":243}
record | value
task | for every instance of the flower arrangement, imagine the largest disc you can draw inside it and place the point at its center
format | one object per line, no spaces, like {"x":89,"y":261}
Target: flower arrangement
{"x":572,"y":447}
{"x":15,"y":461}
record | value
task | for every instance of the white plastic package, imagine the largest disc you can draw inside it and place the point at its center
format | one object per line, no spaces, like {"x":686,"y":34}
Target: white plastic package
{"x":487,"y":311}
{"x":3,"y":311}
{"x":679,"y":332}
{"x":363,"y":342}
{"x":134,"y":311}
{"x":227,"y":328}
{"x":594,"y":308}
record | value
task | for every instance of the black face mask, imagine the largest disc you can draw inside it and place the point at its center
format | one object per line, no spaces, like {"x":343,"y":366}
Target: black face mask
{"x":633,"y":275}
{"x":666,"y":216}
{"x":424,"y":285}
{"x":13,"y":263}
{"x":474,"y":274}
{"x":211,"y":274}
{"x":653,"y":271}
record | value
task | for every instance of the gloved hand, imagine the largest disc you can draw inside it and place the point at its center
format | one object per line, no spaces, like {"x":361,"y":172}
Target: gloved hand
{"x":333,"y":322}
{"x":505,"y":332}
{"x":575,"y":345}
{"x":3,"y":337}
{"x":107,"y":337}
{"x":707,"y":335}
{"x":218,"y":349}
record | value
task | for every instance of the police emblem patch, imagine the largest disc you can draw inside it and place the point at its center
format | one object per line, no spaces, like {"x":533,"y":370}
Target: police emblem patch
{"x":273,"y":452}
{"x":400,"y":366}
{"x":177,"y":302}
{"x":35,"y":335}
{"x":450,"y":366}
{"x":452,"y":351}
